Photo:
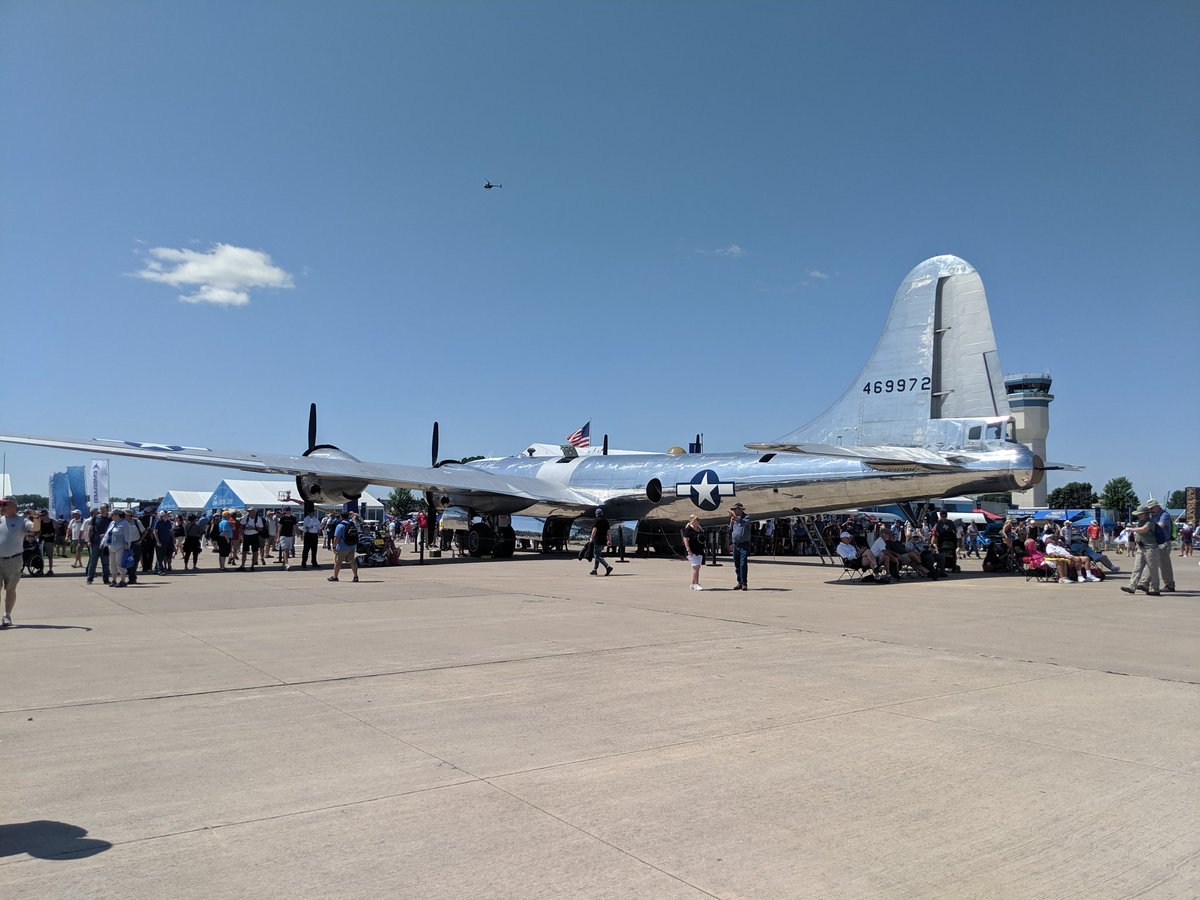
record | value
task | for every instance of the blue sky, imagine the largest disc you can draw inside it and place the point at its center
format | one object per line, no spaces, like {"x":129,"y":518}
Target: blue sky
{"x":706,"y":210}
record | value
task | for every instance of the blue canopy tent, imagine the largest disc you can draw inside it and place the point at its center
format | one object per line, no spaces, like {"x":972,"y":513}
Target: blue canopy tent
{"x":1064,"y":515}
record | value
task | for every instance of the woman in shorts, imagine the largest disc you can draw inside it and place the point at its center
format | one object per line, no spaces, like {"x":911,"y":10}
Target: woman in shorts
{"x":693,"y":543}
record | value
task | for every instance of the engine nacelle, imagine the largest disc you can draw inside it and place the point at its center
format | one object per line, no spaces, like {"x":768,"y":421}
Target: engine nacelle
{"x":324,"y":489}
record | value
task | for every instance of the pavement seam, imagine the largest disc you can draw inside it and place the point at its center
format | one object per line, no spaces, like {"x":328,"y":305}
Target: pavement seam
{"x":774,"y":726}
{"x":859,"y":636}
{"x":596,"y":837}
{"x":482,"y":780}
{"x":287,"y":815}
{"x":892,"y":710}
{"x":278,"y":684}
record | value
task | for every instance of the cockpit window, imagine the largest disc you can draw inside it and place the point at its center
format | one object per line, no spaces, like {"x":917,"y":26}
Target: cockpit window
{"x":975,"y":433}
{"x":994,"y":432}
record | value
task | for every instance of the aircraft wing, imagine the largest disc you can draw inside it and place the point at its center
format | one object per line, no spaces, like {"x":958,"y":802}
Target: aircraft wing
{"x":448,"y":478}
{"x":874,"y":456}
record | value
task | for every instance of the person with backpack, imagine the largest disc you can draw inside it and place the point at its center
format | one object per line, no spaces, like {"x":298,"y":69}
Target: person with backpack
{"x":192,"y":533}
{"x":345,"y":548}
{"x":253,"y":527}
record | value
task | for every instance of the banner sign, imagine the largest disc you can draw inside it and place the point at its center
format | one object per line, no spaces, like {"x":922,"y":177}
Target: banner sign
{"x":60,"y":499}
{"x":77,"y":485}
{"x":98,"y":483}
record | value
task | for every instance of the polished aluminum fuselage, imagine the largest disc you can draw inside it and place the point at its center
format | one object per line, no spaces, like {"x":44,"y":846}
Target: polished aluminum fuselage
{"x":768,"y":484}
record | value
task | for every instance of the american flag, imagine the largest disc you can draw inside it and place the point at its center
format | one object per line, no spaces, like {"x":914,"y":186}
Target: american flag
{"x":582,"y":437}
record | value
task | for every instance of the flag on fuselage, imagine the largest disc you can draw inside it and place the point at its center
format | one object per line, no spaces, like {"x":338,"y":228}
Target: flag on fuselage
{"x":582,"y":437}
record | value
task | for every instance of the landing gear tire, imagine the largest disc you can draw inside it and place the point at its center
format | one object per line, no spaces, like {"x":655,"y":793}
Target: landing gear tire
{"x":506,"y":544}
{"x":480,"y":540}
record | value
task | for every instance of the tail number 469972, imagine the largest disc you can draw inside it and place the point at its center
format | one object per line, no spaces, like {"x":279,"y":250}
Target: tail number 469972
{"x":898,"y":385}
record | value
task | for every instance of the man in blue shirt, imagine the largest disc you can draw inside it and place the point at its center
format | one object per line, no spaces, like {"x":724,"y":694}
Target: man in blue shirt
{"x":344,"y":551}
{"x":1162,"y":519}
{"x":164,"y":543}
{"x":739,"y":539}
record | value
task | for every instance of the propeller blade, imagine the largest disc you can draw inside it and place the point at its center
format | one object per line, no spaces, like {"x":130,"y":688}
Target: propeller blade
{"x":1061,"y":467}
{"x":434,"y":459}
{"x":312,"y":425}
{"x":605,"y":451}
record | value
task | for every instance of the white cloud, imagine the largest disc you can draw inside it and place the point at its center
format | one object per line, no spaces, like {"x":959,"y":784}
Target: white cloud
{"x":222,"y":276}
{"x":732,"y":250}
{"x":816,"y":273}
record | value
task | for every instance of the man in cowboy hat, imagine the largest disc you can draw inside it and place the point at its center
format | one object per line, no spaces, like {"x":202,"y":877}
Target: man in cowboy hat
{"x":739,"y":540}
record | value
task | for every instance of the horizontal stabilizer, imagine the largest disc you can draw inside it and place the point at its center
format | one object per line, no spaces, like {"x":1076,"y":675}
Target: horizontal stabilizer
{"x":881,"y":456}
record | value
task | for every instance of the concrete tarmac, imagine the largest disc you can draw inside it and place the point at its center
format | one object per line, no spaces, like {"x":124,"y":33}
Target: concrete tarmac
{"x":520,"y":729}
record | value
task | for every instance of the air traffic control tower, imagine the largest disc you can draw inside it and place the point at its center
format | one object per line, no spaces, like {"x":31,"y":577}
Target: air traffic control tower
{"x":1029,"y":400}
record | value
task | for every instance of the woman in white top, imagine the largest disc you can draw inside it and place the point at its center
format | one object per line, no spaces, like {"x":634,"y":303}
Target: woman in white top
{"x":693,"y":543}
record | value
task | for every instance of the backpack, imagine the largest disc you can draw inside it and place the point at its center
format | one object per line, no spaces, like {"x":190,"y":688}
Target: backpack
{"x":350,"y":535}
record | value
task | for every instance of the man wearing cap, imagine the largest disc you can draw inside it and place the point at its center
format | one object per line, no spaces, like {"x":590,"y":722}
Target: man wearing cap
{"x":94,"y":530}
{"x":859,"y":557}
{"x":252,"y":527}
{"x":1144,"y":576}
{"x":946,"y":539}
{"x":46,"y":539}
{"x":599,"y":539}
{"x":1162,"y":519}
{"x":75,"y":535}
{"x":344,"y":551}
{"x":164,"y":543}
{"x":739,"y":540}
{"x":13,"y":529}
{"x":310,"y":525}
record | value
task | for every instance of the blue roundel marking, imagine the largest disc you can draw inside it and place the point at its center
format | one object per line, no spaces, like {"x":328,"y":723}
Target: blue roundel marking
{"x":705,"y":489}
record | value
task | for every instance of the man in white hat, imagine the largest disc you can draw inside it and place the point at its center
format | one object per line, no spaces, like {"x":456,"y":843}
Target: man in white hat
{"x":1144,"y":576}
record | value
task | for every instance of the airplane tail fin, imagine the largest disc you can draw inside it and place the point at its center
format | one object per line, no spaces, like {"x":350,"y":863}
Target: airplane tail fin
{"x":936,"y":359}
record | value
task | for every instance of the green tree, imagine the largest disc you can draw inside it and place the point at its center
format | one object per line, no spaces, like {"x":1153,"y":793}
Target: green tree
{"x":1177,"y":500}
{"x":401,"y":502}
{"x":1072,"y":495}
{"x":1118,"y":496}
{"x":38,"y":501}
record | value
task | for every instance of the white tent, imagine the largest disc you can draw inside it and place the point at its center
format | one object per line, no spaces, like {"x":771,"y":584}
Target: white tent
{"x":184,"y":501}
{"x":5,"y":485}
{"x":237,"y":494}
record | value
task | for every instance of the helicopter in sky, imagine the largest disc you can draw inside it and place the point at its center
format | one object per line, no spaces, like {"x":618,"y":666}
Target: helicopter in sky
{"x":487,"y":185}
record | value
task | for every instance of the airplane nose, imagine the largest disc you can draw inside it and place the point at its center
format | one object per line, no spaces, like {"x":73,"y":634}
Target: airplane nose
{"x":1028,"y":471}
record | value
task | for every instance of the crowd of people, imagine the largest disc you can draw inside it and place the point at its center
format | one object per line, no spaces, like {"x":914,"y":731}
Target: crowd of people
{"x":123,"y":543}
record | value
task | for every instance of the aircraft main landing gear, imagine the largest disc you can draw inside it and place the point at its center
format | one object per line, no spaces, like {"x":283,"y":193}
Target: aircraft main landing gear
{"x":486,"y":539}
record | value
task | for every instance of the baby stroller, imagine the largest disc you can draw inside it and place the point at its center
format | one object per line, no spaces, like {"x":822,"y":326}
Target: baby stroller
{"x":373,"y":549}
{"x":1000,"y":559}
{"x":31,"y":559}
